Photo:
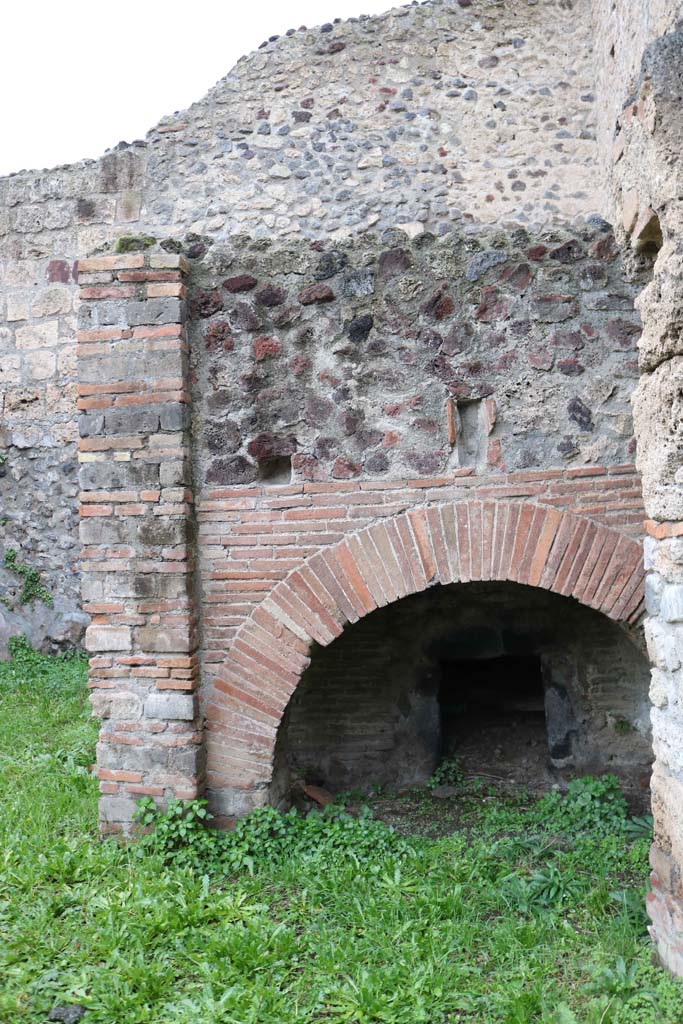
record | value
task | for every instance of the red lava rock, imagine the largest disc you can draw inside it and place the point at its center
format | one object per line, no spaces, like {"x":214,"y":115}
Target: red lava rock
{"x":537,"y":252}
{"x":299,"y":364}
{"x":307,"y":467}
{"x":58,"y":272}
{"x":440,"y":305}
{"x":605,"y":248}
{"x":568,"y":339}
{"x":241,"y":283}
{"x":507,"y":360}
{"x":218,"y":336}
{"x":318,"y":795}
{"x":316,"y":293}
{"x":623,"y":334}
{"x":270,"y":446}
{"x":518,"y":277}
{"x":392,"y":262}
{"x":344,"y":469}
{"x":205,"y":303}
{"x":270,"y":295}
{"x":568,"y":253}
{"x":264,"y":348}
{"x":493,"y":306}
{"x":570,"y":367}
{"x":540,"y":358}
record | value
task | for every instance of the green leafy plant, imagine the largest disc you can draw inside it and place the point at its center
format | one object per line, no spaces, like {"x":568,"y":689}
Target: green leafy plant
{"x":33,"y":588}
{"x":448,"y":773}
{"x":640,"y":828}
{"x":180,"y":833}
{"x":331,"y":923}
{"x":589,"y":804}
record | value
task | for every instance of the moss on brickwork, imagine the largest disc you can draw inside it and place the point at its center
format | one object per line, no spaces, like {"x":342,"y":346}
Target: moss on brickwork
{"x":134,"y":243}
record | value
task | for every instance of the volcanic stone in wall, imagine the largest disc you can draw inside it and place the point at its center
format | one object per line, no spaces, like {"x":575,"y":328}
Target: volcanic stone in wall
{"x":479,"y":352}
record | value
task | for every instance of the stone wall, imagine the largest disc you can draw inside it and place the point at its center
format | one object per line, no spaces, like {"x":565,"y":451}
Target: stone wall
{"x":47,"y":220}
{"x":489,"y":350}
{"x":648,"y":185}
{"x":322,"y":133}
{"x":622,"y":31}
{"x":470,"y":127}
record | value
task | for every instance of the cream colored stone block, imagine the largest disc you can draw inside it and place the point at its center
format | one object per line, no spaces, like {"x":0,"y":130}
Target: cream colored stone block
{"x":40,"y":365}
{"x":61,"y":399}
{"x":67,"y":360}
{"x":10,"y":369}
{"x":65,"y":433}
{"x":17,"y":307}
{"x":107,"y":638}
{"x":52,"y":302}
{"x":38,"y":335}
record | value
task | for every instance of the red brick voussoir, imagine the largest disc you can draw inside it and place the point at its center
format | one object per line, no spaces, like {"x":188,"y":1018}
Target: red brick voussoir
{"x":312,"y":582}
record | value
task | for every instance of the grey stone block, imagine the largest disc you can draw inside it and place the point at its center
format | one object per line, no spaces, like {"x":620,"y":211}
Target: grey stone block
{"x":173,"y":417}
{"x":170,"y":706}
{"x":154,"y":312}
{"x":133,"y":421}
{"x":672,"y":603}
{"x":117,"y":808}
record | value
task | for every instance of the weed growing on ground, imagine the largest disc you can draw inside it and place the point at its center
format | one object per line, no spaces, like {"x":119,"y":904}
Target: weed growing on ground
{"x":318,"y":920}
{"x":265,"y":837}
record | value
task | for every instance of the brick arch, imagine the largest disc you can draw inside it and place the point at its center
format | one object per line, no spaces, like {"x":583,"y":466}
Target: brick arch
{"x":443,"y":543}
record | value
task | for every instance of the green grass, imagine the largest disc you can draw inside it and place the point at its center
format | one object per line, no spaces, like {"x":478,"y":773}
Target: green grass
{"x":500,"y":921}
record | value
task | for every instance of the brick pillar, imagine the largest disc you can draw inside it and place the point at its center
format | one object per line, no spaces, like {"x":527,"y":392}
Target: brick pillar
{"x":137,"y":530}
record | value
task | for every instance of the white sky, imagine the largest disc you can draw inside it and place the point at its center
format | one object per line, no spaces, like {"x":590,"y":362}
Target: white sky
{"x":78,"y":77}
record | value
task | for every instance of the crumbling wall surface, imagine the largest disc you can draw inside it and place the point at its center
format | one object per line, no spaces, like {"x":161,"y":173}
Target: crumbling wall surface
{"x":426,"y":117}
{"x":48,"y":219}
{"x":367,"y":708}
{"x":622,"y":31}
{"x":487,"y":351}
{"x":648,"y":182}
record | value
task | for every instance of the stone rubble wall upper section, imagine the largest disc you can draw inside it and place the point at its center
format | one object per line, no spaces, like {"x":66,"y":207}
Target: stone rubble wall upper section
{"x":428,"y":114}
{"x":434,"y":113}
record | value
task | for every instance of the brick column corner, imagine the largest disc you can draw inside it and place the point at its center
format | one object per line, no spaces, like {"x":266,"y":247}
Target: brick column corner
{"x":137,"y":530}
